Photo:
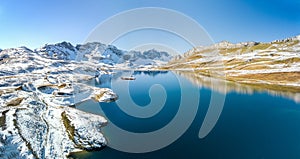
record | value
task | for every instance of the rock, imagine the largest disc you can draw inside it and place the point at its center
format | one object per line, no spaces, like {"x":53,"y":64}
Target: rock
{"x":104,"y":95}
{"x":15,"y":101}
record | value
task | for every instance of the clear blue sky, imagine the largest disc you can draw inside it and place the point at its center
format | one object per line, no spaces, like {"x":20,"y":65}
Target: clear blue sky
{"x":35,"y":22}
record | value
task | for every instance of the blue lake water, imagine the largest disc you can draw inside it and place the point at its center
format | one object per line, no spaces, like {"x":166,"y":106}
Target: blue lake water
{"x":252,"y":124}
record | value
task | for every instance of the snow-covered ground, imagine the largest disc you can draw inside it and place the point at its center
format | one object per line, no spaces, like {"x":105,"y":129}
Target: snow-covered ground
{"x":37,"y":92}
{"x":39,"y":88}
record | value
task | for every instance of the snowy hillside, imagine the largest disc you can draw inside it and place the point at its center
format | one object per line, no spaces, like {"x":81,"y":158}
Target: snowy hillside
{"x":37,"y":93}
{"x":274,"y":63}
{"x":39,"y":88}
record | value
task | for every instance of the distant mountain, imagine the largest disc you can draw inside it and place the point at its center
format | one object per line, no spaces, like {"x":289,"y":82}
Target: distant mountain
{"x":100,"y":53}
{"x":276,"y":62}
{"x":21,"y":59}
{"x":148,"y":58}
{"x":97,"y":52}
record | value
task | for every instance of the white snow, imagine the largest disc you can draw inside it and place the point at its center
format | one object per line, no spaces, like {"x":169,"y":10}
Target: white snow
{"x":34,"y":127}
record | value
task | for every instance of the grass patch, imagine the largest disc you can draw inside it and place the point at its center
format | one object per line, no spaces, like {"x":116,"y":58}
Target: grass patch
{"x":280,"y":77}
{"x":287,"y":61}
{"x":69,"y":127}
{"x":274,"y":81}
{"x":253,"y":67}
{"x":228,"y":50}
{"x":97,"y":97}
{"x":255,"y":60}
{"x":273,"y":47}
{"x":292,"y":43}
{"x":245,"y":49}
{"x":15,"y":102}
{"x":260,"y":46}
{"x":234,"y":62}
{"x":195,"y":57}
{"x":3,"y":120}
{"x":204,"y":51}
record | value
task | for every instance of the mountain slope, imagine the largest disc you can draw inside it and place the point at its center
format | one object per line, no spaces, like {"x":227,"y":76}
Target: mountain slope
{"x":277,"y":62}
{"x":37,"y":91}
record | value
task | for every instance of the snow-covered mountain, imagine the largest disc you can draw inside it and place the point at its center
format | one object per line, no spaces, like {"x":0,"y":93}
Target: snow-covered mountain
{"x":96,"y":52}
{"x":99,"y":53}
{"x":59,"y":51}
{"x":147,"y":59}
{"x":38,"y":89}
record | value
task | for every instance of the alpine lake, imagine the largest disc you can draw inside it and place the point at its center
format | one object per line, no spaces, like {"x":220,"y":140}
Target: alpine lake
{"x":184,"y":115}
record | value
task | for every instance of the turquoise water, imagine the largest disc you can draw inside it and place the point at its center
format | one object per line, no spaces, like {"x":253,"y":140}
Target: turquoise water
{"x":260,"y":124}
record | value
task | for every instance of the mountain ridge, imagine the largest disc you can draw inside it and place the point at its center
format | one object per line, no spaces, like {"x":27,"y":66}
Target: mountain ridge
{"x":274,"y":63}
{"x":97,"y":52}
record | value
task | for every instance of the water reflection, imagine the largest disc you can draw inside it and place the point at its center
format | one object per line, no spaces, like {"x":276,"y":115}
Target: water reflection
{"x":258,"y":125}
{"x":105,"y":79}
{"x":230,"y":87}
{"x":150,"y":73}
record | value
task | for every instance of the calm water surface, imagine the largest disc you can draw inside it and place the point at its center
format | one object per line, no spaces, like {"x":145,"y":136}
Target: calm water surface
{"x":254,"y":124}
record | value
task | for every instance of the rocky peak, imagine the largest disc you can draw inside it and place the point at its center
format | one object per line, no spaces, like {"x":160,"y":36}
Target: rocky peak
{"x":66,"y":45}
{"x":291,"y":39}
{"x":90,"y":45}
{"x":59,"y":51}
{"x":223,"y":44}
